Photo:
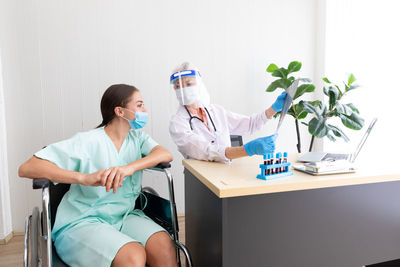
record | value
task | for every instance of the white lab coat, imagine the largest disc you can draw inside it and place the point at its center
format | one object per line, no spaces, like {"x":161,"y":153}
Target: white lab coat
{"x":203,"y":144}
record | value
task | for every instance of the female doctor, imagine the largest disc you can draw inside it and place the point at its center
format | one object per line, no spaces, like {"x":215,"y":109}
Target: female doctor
{"x":202,"y":130}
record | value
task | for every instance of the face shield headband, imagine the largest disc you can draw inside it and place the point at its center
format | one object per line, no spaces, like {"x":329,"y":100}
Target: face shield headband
{"x":183,"y":73}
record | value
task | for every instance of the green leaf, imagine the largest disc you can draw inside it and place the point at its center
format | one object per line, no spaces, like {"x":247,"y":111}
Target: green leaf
{"x":310,"y":108}
{"x":340,"y":92}
{"x":343,"y":109}
{"x":272,"y":67}
{"x":333,"y":113}
{"x":315,"y":103}
{"x":305,"y":123}
{"x":330,"y":137}
{"x":323,"y":109}
{"x":281,"y":72}
{"x":294,"y":66}
{"x":291,"y":112}
{"x":338,"y":132}
{"x":351,"y":79}
{"x":325,"y":90}
{"x":308,"y":87}
{"x":354,"y":121}
{"x":326,"y":80}
{"x":299,"y":111}
{"x":346,"y":87}
{"x":280,"y":83}
{"x":353,"y":108}
{"x":317,"y":127}
{"x":352,"y":87}
{"x":333,"y":94}
{"x":302,"y":115}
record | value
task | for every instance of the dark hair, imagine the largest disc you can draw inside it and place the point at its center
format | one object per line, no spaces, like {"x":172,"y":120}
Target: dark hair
{"x":117,"y":95}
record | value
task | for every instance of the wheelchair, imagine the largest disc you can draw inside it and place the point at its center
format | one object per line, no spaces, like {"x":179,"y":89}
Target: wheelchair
{"x":39,"y":249}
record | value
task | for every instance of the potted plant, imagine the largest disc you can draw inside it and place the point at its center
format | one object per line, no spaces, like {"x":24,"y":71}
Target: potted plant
{"x":284,"y":80}
{"x":349,"y":115}
{"x":318,"y":126}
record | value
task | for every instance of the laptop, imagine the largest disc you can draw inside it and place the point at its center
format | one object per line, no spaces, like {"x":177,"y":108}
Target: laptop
{"x":324,"y":156}
{"x":313,"y":157}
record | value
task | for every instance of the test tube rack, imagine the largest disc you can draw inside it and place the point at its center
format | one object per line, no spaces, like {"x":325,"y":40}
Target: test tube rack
{"x":269,"y":171}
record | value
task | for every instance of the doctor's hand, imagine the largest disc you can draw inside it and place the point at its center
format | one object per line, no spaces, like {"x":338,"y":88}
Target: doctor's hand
{"x":261,"y":146}
{"x":278,"y":104}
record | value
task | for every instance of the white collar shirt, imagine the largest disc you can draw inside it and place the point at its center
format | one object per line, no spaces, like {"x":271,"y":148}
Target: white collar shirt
{"x":209,"y":144}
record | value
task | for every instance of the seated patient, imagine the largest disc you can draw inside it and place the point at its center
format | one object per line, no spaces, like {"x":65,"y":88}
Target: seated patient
{"x":96,"y":224}
{"x":202,"y":130}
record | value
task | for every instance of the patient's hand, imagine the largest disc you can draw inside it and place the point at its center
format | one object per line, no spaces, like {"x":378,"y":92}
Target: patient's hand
{"x":96,"y":178}
{"x":115,"y":177}
{"x":110,"y":178}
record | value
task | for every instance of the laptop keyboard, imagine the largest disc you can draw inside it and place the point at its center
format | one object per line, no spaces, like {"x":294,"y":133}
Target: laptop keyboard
{"x":332,"y":157}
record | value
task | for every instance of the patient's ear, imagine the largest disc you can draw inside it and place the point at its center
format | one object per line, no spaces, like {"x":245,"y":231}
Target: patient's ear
{"x":118,"y":111}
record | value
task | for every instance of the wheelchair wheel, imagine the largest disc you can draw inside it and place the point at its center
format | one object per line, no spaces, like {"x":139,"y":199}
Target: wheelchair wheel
{"x":34,"y":237}
{"x":185,"y":253}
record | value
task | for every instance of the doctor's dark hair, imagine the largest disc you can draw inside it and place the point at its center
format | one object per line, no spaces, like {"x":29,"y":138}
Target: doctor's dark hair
{"x":117,"y":95}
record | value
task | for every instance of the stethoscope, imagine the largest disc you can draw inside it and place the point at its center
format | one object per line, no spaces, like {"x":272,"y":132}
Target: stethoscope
{"x":195,"y":117}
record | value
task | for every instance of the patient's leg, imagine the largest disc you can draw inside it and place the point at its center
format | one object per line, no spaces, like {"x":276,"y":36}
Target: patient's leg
{"x":131,"y":254}
{"x":160,"y":250}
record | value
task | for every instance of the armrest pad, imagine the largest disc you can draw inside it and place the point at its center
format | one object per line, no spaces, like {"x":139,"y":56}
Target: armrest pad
{"x":40,"y":183}
{"x":163,"y":165}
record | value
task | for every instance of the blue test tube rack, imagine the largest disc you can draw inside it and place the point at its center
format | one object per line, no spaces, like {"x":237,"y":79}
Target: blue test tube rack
{"x":268,"y":171}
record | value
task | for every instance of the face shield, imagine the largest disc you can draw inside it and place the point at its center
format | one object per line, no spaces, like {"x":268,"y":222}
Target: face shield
{"x":189,"y":88}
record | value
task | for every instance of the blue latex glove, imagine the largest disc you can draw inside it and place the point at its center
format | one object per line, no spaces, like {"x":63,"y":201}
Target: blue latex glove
{"x":280,"y":100}
{"x":261,"y":146}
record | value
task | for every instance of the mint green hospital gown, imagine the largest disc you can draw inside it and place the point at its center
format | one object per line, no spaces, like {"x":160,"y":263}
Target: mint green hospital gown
{"x":92,"y":224}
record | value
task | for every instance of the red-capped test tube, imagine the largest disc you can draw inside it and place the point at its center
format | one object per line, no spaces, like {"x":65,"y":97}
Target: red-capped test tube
{"x":285,"y":161}
{"x":277,"y":161}
{"x":265,"y":163}
{"x":271,"y":161}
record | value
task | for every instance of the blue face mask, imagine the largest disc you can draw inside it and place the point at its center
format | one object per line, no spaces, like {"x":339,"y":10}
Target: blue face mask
{"x":140,"y":119}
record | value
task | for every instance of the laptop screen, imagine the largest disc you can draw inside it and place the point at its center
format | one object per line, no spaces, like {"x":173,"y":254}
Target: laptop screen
{"x":362,"y":142}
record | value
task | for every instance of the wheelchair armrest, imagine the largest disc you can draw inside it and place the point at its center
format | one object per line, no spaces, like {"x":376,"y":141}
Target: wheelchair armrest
{"x":163,"y":165}
{"x":40,"y":183}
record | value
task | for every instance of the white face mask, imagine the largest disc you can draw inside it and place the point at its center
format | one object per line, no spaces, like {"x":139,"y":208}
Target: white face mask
{"x":188,"y":95}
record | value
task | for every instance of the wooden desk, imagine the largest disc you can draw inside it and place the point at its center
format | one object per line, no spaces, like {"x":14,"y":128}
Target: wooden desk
{"x":234,"y":219}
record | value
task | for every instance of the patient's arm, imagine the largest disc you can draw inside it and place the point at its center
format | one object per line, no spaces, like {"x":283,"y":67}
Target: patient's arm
{"x":157,"y":155}
{"x":111,"y":178}
{"x":40,"y":168}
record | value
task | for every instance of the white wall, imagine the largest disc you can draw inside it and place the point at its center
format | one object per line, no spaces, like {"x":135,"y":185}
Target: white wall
{"x":5,"y":207}
{"x":362,"y":38}
{"x":59,"y":57}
